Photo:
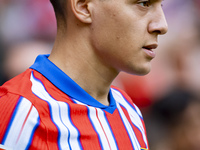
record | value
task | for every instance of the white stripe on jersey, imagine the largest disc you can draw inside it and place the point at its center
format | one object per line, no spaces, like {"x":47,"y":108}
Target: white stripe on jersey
{"x":57,"y":115}
{"x":129,"y":129}
{"x":19,"y":128}
{"x":73,"y":133}
{"x":102,"y":127}
{"x":135,"y":114}
{"x":29,"y":128}
{"x":107,"y":128}
{"x":99,"y":129}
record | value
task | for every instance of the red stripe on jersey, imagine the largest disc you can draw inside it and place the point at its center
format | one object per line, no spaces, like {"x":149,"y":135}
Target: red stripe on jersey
{"x":47,"y":132}
{"x":119,"y":131}
{"x":3,"y":91}
{"x":136,"y":130}
{"x":7,"y":110}
{"x":88,"y":136}
{"x":39,"y":140}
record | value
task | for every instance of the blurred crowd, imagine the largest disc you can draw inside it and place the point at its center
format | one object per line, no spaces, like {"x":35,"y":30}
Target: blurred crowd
{"x":27,"y":28}
{"x":169,"y":96}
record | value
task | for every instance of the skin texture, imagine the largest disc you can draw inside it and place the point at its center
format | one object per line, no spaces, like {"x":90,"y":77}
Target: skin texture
{"x":121,"y":29}
{"x":103,"y":37}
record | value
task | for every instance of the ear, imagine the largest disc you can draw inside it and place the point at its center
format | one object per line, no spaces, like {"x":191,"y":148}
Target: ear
{"x":81,"y":10}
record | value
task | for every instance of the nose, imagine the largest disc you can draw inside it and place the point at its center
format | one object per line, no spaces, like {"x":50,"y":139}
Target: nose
{"x":158,"y":23}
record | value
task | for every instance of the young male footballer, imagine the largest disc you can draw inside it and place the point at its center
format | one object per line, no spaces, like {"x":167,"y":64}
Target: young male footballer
{"x":65,"y":100}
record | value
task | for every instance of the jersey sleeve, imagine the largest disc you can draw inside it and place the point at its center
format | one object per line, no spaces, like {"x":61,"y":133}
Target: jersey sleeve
{"x":18,"y":120}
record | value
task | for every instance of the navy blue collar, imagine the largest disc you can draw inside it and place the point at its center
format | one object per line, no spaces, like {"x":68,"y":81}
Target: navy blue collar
{"x":63,"y":82}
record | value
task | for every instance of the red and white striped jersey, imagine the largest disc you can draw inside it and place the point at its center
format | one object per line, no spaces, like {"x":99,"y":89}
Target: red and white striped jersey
{"x":45,"y":109}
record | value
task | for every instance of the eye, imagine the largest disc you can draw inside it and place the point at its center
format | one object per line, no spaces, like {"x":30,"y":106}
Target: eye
{"x":144,"y":3}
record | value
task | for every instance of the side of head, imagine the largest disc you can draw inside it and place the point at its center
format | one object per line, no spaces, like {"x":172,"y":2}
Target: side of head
{"x":66,"y":9}
{"x":122,"y":33}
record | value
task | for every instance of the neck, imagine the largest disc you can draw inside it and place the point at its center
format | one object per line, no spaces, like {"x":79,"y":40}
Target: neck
{"x":78,"y":60}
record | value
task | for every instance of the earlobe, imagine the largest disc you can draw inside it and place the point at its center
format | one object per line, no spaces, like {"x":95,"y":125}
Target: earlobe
{"x":81,"y":11}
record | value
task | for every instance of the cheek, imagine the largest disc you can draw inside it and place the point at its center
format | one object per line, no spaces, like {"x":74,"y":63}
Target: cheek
{"x":108,"y":22}
{"x":117,"y":37}
{"x":112,"y":32}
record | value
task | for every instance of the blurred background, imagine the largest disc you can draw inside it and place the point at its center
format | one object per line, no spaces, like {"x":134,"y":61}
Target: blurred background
{"x":169,"y":96}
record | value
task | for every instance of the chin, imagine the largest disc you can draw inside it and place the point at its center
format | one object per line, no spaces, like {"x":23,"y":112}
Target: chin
{"x":141,"y":71}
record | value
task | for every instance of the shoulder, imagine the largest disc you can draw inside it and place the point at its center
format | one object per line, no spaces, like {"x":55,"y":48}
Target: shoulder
{"x":16,"y":84}
{"x":18,"y":119}
{"x":12,"y":103}
{"x":16,"y":97}
{"x":19,"y":91}
{"x":12,"y":90}
{"x":20,"y":85}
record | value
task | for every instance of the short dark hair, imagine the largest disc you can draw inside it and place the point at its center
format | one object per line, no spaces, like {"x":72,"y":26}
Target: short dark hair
{"x":59,"y":7}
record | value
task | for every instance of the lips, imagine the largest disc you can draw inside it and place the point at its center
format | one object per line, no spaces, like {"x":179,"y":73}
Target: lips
{"x":151,"y":46}
{"x":148,"y":49}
